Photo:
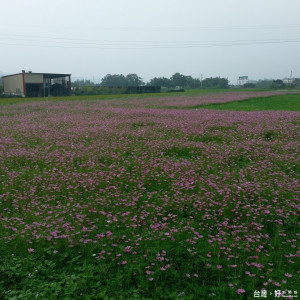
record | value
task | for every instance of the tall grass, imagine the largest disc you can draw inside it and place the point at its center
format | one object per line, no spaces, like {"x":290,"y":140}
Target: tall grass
{"x":289,"y":102}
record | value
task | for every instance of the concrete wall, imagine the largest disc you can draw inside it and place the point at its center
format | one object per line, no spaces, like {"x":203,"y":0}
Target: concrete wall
{"x":34,"y":78}
{"x":13,"y":85}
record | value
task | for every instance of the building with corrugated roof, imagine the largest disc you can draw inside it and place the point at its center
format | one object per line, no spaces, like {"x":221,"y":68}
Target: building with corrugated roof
{"x":29,"y":84}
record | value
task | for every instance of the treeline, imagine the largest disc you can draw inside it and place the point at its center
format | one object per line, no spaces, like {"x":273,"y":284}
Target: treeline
{"x":273,"y":84}
{"x":182,"y":81}
{"x":132,"y":83}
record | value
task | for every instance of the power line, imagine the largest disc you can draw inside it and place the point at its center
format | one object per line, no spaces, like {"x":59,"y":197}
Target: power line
{"x":144,"y":45}
{"x":64,"y":40}
{"x":165,"y":28}
{"x":79,"y":41}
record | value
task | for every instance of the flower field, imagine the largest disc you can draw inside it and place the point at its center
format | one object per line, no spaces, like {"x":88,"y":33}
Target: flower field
{"x":125,"y":199}
{"x":194,"y":101}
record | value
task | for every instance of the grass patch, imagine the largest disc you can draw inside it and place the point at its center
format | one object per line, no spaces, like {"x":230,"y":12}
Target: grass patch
{"x":270,"y":135}
{"x":207,"y":138}
{"x":222,"y":128}
{"x":290,"y":102}
{"x":239,"y":162}
{"x":291,"y":169}
{"x":178,"y":152}
{"x":5,"y":101}
{"x":136,"y":125}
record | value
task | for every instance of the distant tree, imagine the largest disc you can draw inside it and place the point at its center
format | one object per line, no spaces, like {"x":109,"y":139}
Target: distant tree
{"x":134,"y":80}
{"x":178,"y":80}
{"x":160,"y":81}
{"x":296,"y":82}
{"x":82,"y":82}
{"x":278,"y":84}
{"x":264,"y":83}
{"x":192,"y":83}
{"x":215,"y":83}
{"x":249,"y":85}
{"x":113,"y":80}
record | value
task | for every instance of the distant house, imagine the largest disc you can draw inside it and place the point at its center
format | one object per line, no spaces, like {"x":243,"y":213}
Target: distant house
{"x":28,"y":84}
{"x":288,"y":81}
{"x":243,"y":80}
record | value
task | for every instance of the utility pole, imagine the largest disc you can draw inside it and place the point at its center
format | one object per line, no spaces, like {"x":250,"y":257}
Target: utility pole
{"x":291,"y":79}
{"x":201,"y":80}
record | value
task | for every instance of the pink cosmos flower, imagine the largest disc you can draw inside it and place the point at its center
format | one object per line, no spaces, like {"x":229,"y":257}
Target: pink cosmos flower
{"x":240,"y":291}
{"x":149,"y":272}
{"x":127,"y":249}
{"x":30,"y":250}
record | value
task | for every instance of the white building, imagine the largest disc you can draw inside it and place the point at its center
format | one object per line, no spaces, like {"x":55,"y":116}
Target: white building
{"x":243,"y":80}
{"x":288,"y":81}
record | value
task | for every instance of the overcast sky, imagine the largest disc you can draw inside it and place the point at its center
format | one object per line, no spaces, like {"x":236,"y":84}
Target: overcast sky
{"x":152,"y":38}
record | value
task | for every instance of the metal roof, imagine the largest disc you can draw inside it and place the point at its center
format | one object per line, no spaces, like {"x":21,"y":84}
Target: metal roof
{"x":48,"y":75}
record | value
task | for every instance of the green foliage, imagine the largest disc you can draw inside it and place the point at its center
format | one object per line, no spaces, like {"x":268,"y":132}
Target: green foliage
{"x":269,"y":134}
{"x":62,"y":272}
{"x":83,"y":82}
{"x":192,"y":83}
{"x":263,"y":84}
{"x":114,"y":83}
{"x":249,"y":85}
{"x":178,"y":80}
{"x":110,"y":85}
{"x":278,"y":84}
{"x":57,"y":276}
{"x":240,"y":162}
{"x":282,"y":102}
{"x":183,"y":152}
{"x":215,"y":83}
{"x":106,"y":94}
{"x":207,"y":138}
{"x":160,"y":81}
{"x":110,"y":80}
{"x":98,"y":90}
{"x":136,"y":125}
{"x":134,"y":80}
{"x":296,"y":82}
